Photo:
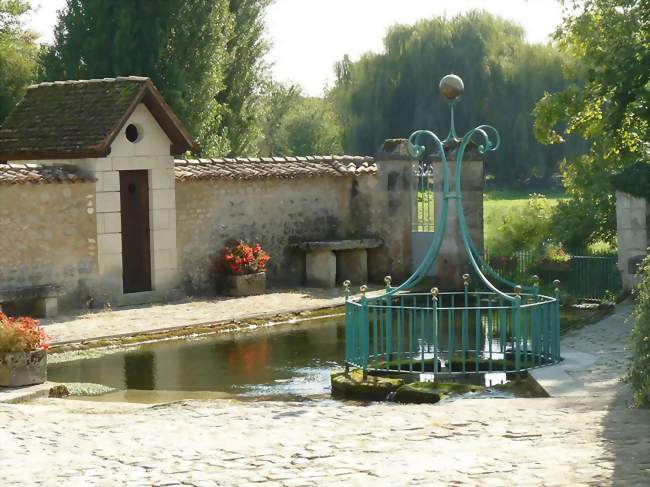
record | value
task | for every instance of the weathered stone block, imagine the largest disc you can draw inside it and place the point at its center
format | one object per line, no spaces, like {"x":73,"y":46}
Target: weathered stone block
{"x":23,"y":368}
{"x":109,"y":243}
{"x":47,"y":307}
{"x":321,"y":268}
{"x":246,"y":284}
{"x":352,"y":265}
{"x":355,"y":386}
{"x":108,"y":202}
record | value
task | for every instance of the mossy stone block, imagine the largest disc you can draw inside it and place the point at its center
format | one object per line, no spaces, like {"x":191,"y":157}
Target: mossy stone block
{"x":353,"y":386}
{"x":432,"y":392}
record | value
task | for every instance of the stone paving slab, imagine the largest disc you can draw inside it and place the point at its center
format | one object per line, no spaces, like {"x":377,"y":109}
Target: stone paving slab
{"x":556,"y":380}
{"x":135,"y":320}
{"x":20,"y":394}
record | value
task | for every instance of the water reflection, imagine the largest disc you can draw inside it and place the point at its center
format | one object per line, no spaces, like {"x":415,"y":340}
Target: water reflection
{"x":286,"y":360}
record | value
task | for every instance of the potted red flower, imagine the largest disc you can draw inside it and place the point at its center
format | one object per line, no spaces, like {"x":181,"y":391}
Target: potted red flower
{"x":23,"y":352}
{"x":245,"y":267}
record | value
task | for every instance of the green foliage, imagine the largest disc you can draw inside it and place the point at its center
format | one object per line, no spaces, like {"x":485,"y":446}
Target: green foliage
{"x":203,"y":55}
{"x":18,"y":52}
{"x":634,"y":179}
{"x":280,"y":100}
{"x":524,"y":227}
{"x":607,"y":101}
{"x":244,"y":77}
{"x":394,"y":93}
{"x":639,"y":374}
{"x":298,"y":126}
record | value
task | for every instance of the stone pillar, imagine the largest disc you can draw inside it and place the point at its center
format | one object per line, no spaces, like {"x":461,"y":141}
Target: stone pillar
{"x":47,"y":307}
{"x":632,"y":236}
{"x":453,"y":261}
{"x":394,"y":204}
{"x":352,"y":265}
{"x":321,"y":268}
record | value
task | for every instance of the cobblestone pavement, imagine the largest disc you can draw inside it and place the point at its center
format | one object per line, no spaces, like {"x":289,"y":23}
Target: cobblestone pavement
{"x":595,"y":440}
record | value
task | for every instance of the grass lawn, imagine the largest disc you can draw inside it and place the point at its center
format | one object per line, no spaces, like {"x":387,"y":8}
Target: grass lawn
{"x":498,"y":204}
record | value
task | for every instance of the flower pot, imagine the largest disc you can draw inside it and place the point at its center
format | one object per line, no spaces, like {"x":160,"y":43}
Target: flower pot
{"x":246,"y":284}
{"x":23,"y":368}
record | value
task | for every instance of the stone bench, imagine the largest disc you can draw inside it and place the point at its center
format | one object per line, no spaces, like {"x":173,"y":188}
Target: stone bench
{"x":345,"y":259}
{"x":45,"y":298}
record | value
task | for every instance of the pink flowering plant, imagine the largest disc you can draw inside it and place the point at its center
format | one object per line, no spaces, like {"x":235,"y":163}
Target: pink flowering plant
{"x":22,"y":334}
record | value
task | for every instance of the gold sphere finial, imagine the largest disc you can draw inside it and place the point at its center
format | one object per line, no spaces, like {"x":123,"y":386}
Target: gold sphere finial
{"x":535,"y":279}
{"x":347,"y":284}
{"x":451,"y":87}
{"x":434,"y":293}
{"x":556,"y":284}
{"x":466,"y":279}
{"x":518,"y":290}
{"x":363,"y":290}
{"x":388,"y":280}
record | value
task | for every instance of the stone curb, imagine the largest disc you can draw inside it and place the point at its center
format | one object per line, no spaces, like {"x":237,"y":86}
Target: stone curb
{"x":15,"y":395}
{"x":554,"y":381}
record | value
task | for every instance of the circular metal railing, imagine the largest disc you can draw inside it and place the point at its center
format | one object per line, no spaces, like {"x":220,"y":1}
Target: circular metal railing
{"x":456,"y":332}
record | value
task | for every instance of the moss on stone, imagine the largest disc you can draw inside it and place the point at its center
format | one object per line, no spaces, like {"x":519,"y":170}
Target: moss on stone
{"x":432,"y":392}
{"x":354,"y":386}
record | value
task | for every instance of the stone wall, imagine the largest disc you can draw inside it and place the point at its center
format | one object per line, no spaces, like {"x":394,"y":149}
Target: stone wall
{"x":278,"y":213}
{"x":48,"y":237}
{"x":632,"y":235}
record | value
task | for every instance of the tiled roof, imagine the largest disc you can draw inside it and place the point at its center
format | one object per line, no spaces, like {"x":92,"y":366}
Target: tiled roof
{"x":36,"y":173}
{"x":274,"y":167}
{"x":80,"y":119}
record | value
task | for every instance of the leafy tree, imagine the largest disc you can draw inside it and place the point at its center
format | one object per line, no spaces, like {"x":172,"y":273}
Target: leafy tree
{"x":280,"y":99}
{"x":606,"y":47}
{"x":245,"y":75}
{"x":312,"y":128}
{"x":18,"y":52}
{"x":296,"y":125}
{"x":396,"y":92}
{"x":204,"y":56}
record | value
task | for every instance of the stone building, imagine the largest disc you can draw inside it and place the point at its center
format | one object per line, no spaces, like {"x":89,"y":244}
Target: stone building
{"x":97,"y":199}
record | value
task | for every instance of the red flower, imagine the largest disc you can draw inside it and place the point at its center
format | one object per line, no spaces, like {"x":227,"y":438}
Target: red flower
{"x":242,"y":258}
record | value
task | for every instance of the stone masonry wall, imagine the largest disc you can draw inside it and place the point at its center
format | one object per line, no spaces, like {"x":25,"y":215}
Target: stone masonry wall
{"x":48,"y":237}
{"x":275,"y":212}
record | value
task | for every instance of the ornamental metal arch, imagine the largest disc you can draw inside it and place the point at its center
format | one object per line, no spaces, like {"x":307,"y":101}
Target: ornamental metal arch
{"x":472,"y":330}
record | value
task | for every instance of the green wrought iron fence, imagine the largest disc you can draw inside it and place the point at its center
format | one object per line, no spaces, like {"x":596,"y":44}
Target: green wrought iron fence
{"x":588,"y":275}
{"x":452,"y":333}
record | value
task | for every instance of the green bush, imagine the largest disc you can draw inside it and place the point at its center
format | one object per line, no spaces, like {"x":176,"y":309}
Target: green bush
{"x":639,"y":374}
{"x":525,"y":228}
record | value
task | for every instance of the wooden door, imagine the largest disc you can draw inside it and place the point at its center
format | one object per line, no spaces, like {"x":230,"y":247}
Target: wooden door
{"x":136,"y":248}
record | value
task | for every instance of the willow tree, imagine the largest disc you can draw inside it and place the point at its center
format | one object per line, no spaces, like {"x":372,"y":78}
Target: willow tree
{"x":395,"y":92}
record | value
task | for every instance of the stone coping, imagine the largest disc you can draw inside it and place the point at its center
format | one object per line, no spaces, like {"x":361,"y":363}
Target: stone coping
{"x":12,"y":395}
{"x":31,"y":292}
{"x":362,"y":243}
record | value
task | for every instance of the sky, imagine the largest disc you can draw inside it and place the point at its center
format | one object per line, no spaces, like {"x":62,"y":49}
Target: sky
{"x":309,"y":36}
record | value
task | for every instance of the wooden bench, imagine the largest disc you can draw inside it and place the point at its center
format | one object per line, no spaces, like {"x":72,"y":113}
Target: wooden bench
{"x":325,"y":261}
{"x":45,"y":298}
